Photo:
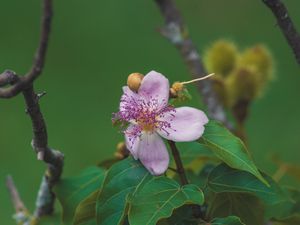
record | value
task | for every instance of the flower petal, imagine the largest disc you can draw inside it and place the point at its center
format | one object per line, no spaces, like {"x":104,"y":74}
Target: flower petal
{"x":187,"y":124}
{"x":155,"y":86}
{"x":132,"y":139}
{"x":153,"y":153}
{"x":127,"y":97}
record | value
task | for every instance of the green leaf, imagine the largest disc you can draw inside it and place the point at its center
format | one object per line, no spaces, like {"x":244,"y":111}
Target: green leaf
{"x":293,"y":215}
{"x":246,"y":206}
{"x":158,"y":198}
{"x":181,"y":216}
{"x":121,"y":179}
{"x":86,"y":211}
{"x":230,"y":220}
{"x":71,"y":191}
{"x":229,"y":148}
{"x":194,"y":151}
{"x":225,"y":179}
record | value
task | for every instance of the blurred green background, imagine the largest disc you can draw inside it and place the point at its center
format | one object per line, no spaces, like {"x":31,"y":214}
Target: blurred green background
{"x":95,"y":45}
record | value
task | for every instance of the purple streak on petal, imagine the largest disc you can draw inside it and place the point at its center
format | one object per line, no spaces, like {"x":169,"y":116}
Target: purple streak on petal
{"x":153,"y":153}
{"x":132,"y":139}
{"x":127,"y":96}
{"x":155,"y":86}
{"x":187,"y":124}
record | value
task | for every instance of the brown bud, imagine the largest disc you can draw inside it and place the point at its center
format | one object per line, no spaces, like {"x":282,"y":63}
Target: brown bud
{"x":173,"y":93}
{"x":122,"y":151}
{"x":134,"y":81}
{"x":177,"y":86}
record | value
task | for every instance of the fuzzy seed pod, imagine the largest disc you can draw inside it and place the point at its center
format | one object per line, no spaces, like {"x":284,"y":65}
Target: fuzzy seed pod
{"x":218,"y":83}
{"x":134,"y":81}
{"x":242,"y":84}
{"x":221,"y":57}
{"x":260,"y":58}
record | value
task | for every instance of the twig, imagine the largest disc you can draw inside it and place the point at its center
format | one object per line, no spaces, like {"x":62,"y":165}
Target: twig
{"x":38,"y":63}
{"x":53,"y":158}
{"x":178,"y":162}
{"x":175,"y":31}
{"x":286,"y":25}
{"x":14,"y":195}
{"x":8,"y":77}
{"x":24,"y":84}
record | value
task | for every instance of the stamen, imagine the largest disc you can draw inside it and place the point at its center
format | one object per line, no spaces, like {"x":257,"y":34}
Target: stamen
{"x":147,"y":115}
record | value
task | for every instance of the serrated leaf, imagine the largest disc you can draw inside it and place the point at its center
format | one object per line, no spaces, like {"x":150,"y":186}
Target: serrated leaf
{"x":71,"y":191}
{"x":229,"y":148}
{"x":230,"y":220}
{"x":122,"y":178}
{"x":225,"y":179}
{"x":246,"y":206}
{"x":158,"y":198}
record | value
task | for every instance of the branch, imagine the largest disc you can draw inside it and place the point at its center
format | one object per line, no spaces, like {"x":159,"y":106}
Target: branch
{"x":38,"y":63}
{"x":175,"y":31}
{"x":286,"y":25}
{"x":14,"y":195}
{"x":53,"y":158}
{"x":24,"y":84}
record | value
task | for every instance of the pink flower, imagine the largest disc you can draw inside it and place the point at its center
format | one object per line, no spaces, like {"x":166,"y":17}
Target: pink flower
{"x":150,"y":118}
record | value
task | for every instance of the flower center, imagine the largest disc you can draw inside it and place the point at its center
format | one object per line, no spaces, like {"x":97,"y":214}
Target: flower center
{"x":147,"y":114}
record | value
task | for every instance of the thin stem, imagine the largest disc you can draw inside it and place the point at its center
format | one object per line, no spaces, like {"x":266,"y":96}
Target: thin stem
{"x":181,"y":172}
{"x":286,"y":25}
{"x":179,"y":165}
{"x":14,"y":195}
{"x":198,"y":79}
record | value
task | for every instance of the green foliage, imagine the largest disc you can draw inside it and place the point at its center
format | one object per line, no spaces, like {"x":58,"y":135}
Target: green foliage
{"x":226,"y":179}
{"x":71,"y":191}
{"x":234,"y":192}
{"x":230,"y":220}
{"x":85,"y":213}
{"x":121,"y":179}
{"x":229,"y":148}
{"x":158,"y":198}
{"x":247,"y":207}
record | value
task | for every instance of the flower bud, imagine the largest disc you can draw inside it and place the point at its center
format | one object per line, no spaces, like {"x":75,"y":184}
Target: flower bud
{"x":122,"y":151}
{"x":134,"y":81}
{"x":177,"y":86}
{"x":221,"y":57}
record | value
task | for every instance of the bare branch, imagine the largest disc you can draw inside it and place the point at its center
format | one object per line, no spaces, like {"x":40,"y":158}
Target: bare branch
{"x":286,"y":25}
{"x":54,"y":159}
{"x":38,"y":63}
{"x":8,"y":77}
{"x":175,"y":31}
{"x":14,"y":195}
{"x":24,"y":84}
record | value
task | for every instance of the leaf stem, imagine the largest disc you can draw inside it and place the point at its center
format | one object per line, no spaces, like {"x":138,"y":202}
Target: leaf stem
{"x":181,"y":172}
{"x":179,"y":165}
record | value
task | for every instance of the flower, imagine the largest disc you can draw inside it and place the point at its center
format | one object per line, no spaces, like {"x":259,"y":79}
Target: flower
{"x":151,"y":118}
